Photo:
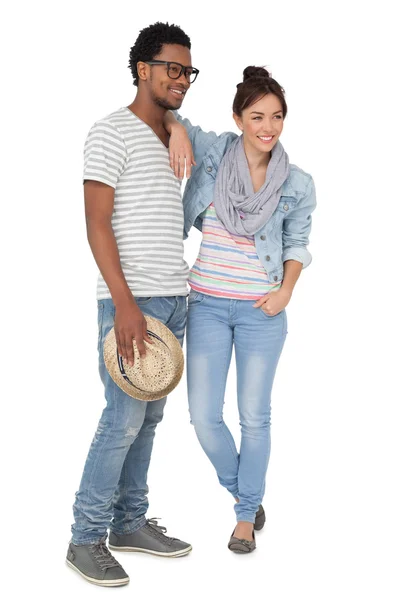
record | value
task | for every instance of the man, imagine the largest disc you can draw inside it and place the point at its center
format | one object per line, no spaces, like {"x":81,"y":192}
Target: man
{"x":134,"y":221}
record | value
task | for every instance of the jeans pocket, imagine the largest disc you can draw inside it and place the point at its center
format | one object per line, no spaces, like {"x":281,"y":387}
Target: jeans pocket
{"x":195,"y":297}
{"x":267,"y":315}
{"x":141,"y":300}
{"x":280,"y":315}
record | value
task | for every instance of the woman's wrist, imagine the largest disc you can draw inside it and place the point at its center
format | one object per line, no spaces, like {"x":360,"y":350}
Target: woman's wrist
{"x":286,"y":290}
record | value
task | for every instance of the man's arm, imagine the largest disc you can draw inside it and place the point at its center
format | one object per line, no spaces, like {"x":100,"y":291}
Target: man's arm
{"x":129,"y":321}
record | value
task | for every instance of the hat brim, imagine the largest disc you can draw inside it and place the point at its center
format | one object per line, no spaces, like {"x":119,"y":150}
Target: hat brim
{"x":177,"y":362}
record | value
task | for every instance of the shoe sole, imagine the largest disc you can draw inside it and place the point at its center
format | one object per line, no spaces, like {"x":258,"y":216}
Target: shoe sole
{"x":109,"y":583}
{"x":166,"y":554}
{"x":259,"y":527}
{"x":238,"y":549}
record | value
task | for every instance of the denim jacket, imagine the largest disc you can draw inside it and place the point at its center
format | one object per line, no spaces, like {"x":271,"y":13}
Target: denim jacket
{"x":285,"y":235}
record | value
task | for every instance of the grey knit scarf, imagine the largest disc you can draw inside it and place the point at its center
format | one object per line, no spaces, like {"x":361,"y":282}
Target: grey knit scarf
{"x":238,"y":207}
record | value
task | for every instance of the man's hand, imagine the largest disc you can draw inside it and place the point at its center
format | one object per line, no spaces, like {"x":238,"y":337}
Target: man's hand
{"x":180,"y":151}
{"x":273,"y":302}
{"x":130,"y":325}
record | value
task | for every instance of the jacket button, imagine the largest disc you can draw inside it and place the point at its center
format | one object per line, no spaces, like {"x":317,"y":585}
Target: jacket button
{"x":286,"y":207}
{"x":267,"y":257}
{"x":209,"y":169}
{"x":263,"y":238}
{"x":275,"y":278}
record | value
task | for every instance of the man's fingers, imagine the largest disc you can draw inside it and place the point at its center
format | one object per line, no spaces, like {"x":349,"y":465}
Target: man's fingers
{"x":140,"y":346}
{"x":146,"y":336}
{"x":130,"y":357}
{"x":119,"y":346}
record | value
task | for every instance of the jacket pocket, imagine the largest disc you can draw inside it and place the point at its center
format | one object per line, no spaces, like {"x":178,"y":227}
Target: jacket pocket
{"x":286,"y":204}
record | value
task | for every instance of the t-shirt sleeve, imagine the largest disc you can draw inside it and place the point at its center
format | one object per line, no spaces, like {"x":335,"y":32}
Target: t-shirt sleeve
{"x":104,"y":154}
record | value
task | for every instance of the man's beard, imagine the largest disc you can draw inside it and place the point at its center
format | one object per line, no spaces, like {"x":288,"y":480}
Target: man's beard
{"x":163,"y":103}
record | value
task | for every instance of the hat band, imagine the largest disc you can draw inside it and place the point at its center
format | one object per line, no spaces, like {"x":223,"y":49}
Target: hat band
{"x":121,"y":366}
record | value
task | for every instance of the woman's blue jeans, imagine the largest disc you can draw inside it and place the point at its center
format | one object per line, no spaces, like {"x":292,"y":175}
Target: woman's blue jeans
{"x":214,"y":325}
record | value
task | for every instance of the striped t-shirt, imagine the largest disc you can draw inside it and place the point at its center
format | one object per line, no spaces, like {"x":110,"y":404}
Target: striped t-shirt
{"x":228,"y":265}
{"x":125,"y":153}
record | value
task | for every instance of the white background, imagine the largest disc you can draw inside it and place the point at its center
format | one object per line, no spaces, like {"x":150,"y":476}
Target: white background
{"x":332,"y":499}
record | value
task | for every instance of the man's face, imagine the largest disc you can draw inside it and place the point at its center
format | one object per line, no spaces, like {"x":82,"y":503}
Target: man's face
{"x":166,"y":92}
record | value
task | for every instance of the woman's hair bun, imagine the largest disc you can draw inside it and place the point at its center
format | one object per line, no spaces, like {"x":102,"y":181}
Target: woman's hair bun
{"x":259,"y":72}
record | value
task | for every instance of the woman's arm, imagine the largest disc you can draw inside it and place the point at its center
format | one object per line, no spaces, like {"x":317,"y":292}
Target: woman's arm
{"x":295,"y":255}
{"x":297,"y":227}
{"x":201,"y":142}
{"x":274,"y":302}
{"x":180,"y":149}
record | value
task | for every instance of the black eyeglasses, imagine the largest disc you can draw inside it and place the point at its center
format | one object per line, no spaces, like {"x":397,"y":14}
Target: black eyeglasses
{"x":175,"y":70}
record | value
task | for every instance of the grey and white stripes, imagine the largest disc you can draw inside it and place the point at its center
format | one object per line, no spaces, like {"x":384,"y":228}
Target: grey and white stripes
{"x":125,"y":153}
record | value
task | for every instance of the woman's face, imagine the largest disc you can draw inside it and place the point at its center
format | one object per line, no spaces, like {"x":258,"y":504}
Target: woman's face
{"x":262,"y":123}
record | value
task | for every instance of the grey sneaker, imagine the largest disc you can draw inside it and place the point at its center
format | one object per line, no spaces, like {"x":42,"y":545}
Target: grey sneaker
{"x":150,"y":538}
{"x":260,"y":518}
{"x":96,"y":564}
{"x":241,"y":546}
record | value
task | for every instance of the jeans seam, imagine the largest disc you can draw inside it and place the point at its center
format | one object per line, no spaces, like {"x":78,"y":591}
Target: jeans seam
{"x":87,"y":542}
{"x":142,"y":521}
{"x":223,"y":385}
{"x":107,"y":437}
{"x":177,"y":308}
{"x":123,"y":481}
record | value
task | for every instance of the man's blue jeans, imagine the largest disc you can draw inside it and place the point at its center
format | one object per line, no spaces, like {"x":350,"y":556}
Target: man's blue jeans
{"x":114,"y":488}
{"x":214,"y":326}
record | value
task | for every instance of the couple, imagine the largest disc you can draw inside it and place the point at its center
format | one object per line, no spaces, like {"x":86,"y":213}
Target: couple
{"x":254,"y":210}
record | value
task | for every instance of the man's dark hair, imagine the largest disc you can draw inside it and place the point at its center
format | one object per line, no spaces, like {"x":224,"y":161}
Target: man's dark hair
{"x":150,"y":41}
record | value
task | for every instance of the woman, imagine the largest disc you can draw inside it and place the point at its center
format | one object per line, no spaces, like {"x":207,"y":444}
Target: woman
{"x":255,"y":219}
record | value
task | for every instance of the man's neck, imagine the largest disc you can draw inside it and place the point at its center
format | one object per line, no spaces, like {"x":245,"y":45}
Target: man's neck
{"x":148,"y":111}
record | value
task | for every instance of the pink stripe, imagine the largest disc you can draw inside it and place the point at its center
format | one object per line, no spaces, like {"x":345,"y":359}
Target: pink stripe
{"x":238,"y":282}
{"x":226,"y":237}
{"x":262,"y":272}
{"x":260,"y":268}
{"x":232,"y":235}
{"x":204,"y":290}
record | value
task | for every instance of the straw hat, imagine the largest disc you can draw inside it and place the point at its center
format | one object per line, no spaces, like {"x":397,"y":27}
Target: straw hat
{"x":155,"y":375}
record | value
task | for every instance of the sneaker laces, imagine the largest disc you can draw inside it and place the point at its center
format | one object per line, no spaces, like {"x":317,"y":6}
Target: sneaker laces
{"x":103,"y":556}
{"x":159,"y":529}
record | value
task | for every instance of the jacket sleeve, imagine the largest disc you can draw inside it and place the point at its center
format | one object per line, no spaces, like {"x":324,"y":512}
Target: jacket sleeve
{"x":297,"y":227}
{"x":202,"y":141}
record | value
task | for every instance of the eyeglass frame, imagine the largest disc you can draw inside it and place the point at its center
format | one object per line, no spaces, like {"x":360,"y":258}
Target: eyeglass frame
{"x":173,"y":62}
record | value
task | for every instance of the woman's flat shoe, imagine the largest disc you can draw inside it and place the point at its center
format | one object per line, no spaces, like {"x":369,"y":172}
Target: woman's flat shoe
{"x":241,"y":546}
{"x":260,"y":518}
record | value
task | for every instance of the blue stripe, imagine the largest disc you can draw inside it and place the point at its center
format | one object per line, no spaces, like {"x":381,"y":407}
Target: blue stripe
{"x":230,"y":275}
{"x":219,"y":246}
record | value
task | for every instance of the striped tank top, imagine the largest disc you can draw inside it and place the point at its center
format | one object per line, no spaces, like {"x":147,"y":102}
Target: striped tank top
{"x":228,"y":265}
